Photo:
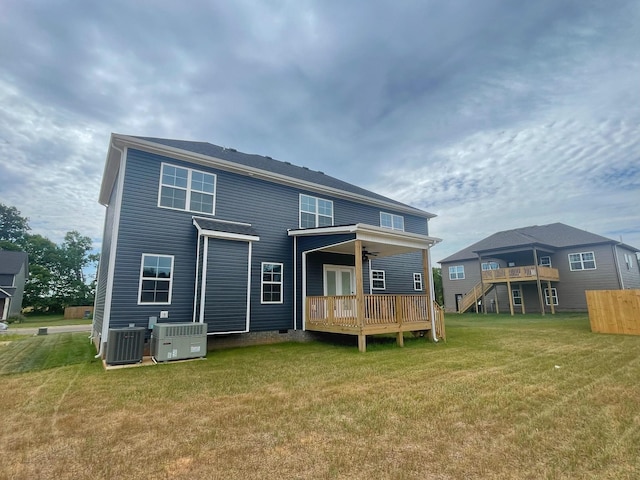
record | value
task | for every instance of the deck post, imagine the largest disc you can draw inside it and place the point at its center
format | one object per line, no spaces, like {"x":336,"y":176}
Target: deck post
{"x":362,"y":338}
{"x":495,"y":291}
{"x":399,"y":318}
{"x":484,"y":303}
{"x":429,"y":290}
{"x":535,"y":260}
{"x":553,"y":309}
{"x":510,"y":294}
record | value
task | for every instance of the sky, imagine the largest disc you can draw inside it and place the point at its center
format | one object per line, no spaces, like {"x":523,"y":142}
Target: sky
{"x":491,"y":114}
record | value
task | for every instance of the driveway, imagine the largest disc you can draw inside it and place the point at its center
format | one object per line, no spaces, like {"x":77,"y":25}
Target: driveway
{"x":50,"y":330}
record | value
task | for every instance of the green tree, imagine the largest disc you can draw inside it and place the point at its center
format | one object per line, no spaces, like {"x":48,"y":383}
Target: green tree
{"x":437,"y":285}
{"x":13,"y":228}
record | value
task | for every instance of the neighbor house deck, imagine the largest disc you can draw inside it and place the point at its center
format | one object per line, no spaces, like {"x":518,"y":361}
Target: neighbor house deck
{"x":382,"y":314}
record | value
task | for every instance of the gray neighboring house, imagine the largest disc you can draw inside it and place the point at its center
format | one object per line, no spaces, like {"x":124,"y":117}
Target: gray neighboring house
{"x":14,"y":269}
{"x":541,"y":268}
{"x":195,"y":232}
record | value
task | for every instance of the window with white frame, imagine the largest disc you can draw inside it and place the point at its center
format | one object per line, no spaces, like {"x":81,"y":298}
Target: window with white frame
{"x":545,"y":261}
{"x":582,"y":261}
{"x":187,"y":189}
{"x":389,"y":220}
{"x":628,"y":259}
{"x":417,"y":281}
{"x":378,"y":280}
{"x":271,"y":282}
{"x":490,"y":266}
{"x":554,"y":296}
{"x":456,"y":272}
{"x":517,"y":296}
{"x":315,"y":212}
{"x":156,"y":277}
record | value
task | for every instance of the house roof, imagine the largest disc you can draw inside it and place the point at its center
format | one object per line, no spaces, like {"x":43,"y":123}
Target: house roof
{"x":207,"y":224}
{"x":11,"y":262}
{"x":248,"y":164}
{"x":552,"y":236}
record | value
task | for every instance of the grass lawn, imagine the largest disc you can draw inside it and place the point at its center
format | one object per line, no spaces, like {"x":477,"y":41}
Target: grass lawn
{"x":36,"y":321}
{"x":505,"y":397}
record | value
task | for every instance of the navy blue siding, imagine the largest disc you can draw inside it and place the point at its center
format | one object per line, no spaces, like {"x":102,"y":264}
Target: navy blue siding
{"x":6,"y":280}
{"x":399,"y":271}
{"x":272,"y":209}
{"x":225,"y":307}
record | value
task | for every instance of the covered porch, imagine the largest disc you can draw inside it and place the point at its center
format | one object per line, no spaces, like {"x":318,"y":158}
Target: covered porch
{"x":345,"y":307}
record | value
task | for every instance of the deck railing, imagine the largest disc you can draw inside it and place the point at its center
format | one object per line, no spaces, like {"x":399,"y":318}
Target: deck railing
{"x":526,"y":273}
{"x":341,"y":310}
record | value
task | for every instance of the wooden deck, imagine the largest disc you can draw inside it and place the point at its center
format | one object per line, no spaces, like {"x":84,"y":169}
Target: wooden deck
{"x":382,"y":314}
{"x":529,"y":273}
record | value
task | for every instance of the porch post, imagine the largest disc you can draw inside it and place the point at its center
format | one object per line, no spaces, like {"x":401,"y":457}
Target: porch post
{"x":362,"y":338}
{"x":484,"y":303}
{"x":429,"y":290}
{"x":535,"y":259}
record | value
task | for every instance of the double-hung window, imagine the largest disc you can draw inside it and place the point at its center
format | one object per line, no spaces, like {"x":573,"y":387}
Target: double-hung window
{"x":582,"y":261}
{"x":378,"y":280}
{"x":417,"y":281}
{"x":187,"y":189}
{"x":156,"y":277}
{"x":389,"y":220}
{"x":554,"y":296}
{"x":456,"y":272}
{"x":517,"y":296}
{"x":271,"y":282}
{"x":315,"y":212}
{"x":545,"y":261}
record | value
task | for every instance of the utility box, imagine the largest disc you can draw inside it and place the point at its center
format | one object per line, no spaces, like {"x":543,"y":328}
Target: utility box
{"x":178,"y":341}
{"x":125,"y":345}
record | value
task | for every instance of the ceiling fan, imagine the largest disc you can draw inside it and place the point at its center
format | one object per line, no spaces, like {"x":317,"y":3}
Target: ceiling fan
{"x":366,"y":254}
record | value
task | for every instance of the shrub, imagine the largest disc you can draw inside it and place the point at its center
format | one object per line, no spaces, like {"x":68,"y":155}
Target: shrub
{"x":15,"y":319}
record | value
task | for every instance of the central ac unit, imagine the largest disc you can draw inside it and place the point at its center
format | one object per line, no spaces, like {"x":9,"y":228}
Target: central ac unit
{"x":178,"y":341}
{"x":125,"y":345}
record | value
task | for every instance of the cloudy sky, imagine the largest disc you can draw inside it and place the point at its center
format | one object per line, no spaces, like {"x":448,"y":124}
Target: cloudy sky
{"x":491,"y":114}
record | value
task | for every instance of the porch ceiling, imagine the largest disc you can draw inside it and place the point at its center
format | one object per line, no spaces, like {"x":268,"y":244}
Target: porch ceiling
{"x":379,"y":241}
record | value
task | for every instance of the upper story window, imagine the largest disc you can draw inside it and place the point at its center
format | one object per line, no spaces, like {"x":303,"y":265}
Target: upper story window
{"x":389,"y":220}
{"x":582,"y":261}
{"x":456,"y":273}
{"x":628,"y":260}
{"x":490,"y":266}
{"x":187,"y":189}
{"x":271,"y":282}
{"x":155,"y":279}
{"x":377,"y":280}
{"x":315,"y":212}
{"x":545,"y":261}
{"x":417,"y":281}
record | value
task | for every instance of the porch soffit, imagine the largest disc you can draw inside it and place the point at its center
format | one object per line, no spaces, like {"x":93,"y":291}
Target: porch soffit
{"x":382,"y":242}
{"x":225,"y":230}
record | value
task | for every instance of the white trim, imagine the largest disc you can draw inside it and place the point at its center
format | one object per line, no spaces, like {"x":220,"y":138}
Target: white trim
{"x":519,"y":296}
{"x":189,"y":190}
{"x":456,"y":267}
{"x":544,"y":264}
{"x":195,"y":287}
{"x":108,"y":296}
{"x":226,"y":165}
{"x":316,"y":213}
{"x":304,"y":291}
{"x":217,"y":220}
{"x":5,"y":292}
{"x":142,"y":278}
{"x":553,"y":297}
{"x":225,"y":235}
{"x":249,"y":254}
{"x":295,"y":283}
{"x":203,"y":283}
{"x":262,"y":283}
{"x":352,"y":271}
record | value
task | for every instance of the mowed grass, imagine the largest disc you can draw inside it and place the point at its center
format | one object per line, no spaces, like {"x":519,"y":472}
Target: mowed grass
{"x":36,"y":321}
{"x":505,"y":397}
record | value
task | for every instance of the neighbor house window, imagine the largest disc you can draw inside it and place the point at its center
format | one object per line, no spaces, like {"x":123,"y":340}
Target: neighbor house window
{"x":271,"y":282}
{"x":517,"y":297}
{"x":187,"y":189}
{"x":490,"y":266}
{"x":389,"y":220}
{"x":156,"y":277}
{"x":417,"y":281}
{"x":554,"y":296}
{"x":315,"y":212}
{"x":628,"y":259}
{"x":582,"y":261}
{"x":456,"y":273}
{"x":377,"y":280}
{"x":545,"y":261}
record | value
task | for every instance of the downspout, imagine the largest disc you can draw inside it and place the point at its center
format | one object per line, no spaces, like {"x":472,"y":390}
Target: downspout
{"x":432,"y":296}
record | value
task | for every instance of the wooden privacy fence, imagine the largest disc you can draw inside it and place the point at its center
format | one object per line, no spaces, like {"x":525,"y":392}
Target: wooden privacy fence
{"x":78,"y":312}
{"x":614,"y":311}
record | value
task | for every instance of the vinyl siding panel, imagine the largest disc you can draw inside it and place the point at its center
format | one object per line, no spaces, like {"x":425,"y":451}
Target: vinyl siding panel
{"x":630,"y":273}
{"x":460,"y":286}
